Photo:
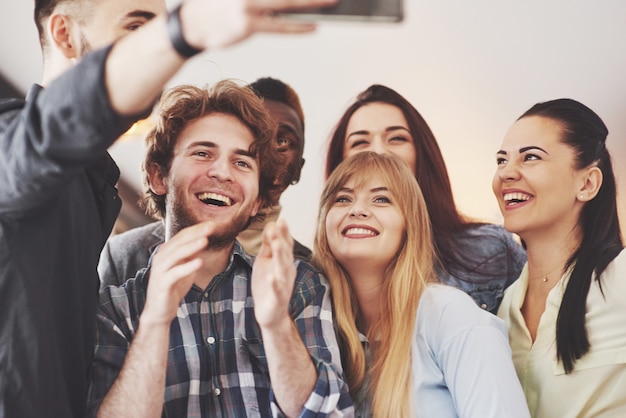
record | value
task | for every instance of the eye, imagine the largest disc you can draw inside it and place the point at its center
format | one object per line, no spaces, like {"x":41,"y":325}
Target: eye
{"x":133,"y":26}
{"x":398,"y":139}
{"x":382,"y":199}
{"x":201,"y":153}
{"x":359,"y":143}
{"x":342,"y":199}
{"x":531,"y":157}
{"x":284,"y":143}
{"x":501,"y":160}
{"x":243,"y":164}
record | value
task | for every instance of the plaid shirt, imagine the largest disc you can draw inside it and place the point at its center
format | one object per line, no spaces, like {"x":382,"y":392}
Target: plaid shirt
{"x":216,"y":362}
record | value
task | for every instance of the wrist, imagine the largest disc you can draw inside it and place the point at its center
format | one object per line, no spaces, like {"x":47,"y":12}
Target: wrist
{"x":176,"y":36}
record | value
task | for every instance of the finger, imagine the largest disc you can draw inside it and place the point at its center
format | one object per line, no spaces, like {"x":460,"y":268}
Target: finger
{"x":183,"y":246}
{"x":283,"y":231}
{"x":266,"y":246}
{"x":203,"y":229}
{"x":283,"y":259}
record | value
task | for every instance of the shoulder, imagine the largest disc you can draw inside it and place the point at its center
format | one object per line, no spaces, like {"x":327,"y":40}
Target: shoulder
{"x":120,"y":303}
{"x":301,"y":251}
{"x":493,"y":244}
{"x":144,"y":236}
{"x":489,"y":233}
{"x":449,"y":311}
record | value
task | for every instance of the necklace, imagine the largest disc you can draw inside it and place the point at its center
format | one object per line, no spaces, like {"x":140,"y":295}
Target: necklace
{"x":545,"y":279}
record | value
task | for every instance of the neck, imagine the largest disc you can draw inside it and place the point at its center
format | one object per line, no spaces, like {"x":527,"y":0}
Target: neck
{"x":54,"y":64}
{"x":367,"y":285}
{"x":548,"y":254}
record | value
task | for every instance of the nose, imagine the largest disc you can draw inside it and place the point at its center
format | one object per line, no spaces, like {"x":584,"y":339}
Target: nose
{"x":220,"y":169}
{"x":508,"y":172}
{"x":358,"y":211}
{"x":378,"y":146}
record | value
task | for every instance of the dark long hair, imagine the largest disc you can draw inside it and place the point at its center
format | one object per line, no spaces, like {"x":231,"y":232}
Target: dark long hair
{"x":585,"y":133}
{"x":430,"y":172}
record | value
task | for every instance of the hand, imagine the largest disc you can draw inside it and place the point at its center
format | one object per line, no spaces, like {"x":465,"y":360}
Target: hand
{"x":173,"y":272}
{"x":214,"y":24}
{"x":273,"y":276}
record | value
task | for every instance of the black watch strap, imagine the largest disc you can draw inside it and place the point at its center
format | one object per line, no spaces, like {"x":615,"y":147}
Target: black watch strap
{"x":175,"y":33}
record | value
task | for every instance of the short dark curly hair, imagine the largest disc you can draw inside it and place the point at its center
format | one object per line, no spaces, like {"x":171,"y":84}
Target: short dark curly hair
{"x":182,"y":104}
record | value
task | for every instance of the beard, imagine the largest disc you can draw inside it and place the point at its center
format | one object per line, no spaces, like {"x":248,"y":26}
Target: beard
{"x":224,"y":234}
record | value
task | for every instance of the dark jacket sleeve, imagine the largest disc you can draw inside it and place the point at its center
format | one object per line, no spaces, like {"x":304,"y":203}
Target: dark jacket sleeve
{"x":55,"y":133}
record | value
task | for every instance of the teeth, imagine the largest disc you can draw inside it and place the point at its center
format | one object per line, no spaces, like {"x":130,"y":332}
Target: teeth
{"x":516,"y":197}
{"x":359,"y":231}
{"x":215,"y":199}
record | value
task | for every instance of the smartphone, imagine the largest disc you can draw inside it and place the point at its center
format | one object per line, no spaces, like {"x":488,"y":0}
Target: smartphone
{"x":353,"y":10}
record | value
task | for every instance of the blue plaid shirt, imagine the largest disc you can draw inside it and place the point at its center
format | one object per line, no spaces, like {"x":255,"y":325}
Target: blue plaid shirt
{"x":216,"y":361}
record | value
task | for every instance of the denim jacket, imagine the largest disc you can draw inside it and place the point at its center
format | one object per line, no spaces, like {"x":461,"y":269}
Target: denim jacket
{"x":496,"y":262}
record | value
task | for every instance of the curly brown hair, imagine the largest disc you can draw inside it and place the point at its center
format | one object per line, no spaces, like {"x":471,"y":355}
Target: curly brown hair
{"x":182,"y":104}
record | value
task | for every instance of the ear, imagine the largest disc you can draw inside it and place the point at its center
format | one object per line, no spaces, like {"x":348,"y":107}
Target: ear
{"x":156,"y":179}
{"x":591,"y":183}
{"x":296,"y":178}
{"x":60,"y":31}
{"x":255,"y":208}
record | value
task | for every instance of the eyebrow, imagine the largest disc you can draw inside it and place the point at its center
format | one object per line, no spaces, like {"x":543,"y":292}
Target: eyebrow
{"x":210,"y":144}
{"x":374,"y":190}
{"x":387,"y":129}
{"x":524,"y":149}
{"x":290,"y":128}
{"x":139,"y":13}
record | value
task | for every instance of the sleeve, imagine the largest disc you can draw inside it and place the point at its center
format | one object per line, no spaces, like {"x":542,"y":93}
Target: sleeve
{"x":474,"y":355}
{"x":312,"y":312}
{"x":113,"y":337}
{"x":56,"y":133}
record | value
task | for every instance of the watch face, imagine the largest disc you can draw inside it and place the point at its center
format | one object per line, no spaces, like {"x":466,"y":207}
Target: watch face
{"x":357,"y":10}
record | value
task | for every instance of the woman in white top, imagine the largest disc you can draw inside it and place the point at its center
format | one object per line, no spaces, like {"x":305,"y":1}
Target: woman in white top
{"x":567,"y":313}
{"x":410,"y":347}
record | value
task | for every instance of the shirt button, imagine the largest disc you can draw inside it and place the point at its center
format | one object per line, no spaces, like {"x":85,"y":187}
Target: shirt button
{"x":483,"y":305}
{"x":217,"y":391}
{"x":210,"y":340}
{"x":206,"y":294}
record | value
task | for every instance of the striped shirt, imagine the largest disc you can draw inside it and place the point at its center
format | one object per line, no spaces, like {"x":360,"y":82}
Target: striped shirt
{"x":216,"y":363}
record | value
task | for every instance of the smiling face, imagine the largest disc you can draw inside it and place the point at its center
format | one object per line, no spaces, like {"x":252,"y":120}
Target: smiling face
{"x":289,"y":140}
{"x":536,"y":185}
{"x":381,"y":128}
{"x":364,"y":224}
{"x":212,"y":177}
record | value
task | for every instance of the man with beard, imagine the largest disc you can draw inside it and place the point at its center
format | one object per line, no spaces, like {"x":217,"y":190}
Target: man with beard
{"x":198,"y":333}
{"x":124,"y":254}
{"x":58,"y":200}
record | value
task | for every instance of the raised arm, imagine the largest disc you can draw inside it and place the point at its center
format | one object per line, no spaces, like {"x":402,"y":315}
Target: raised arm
{"x":142,"y":375}
{"x":206,"y":25}
{"x":304,"y":373}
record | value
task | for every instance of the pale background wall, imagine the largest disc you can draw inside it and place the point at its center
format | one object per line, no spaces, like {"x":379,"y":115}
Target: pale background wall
{"x":470,"y":68}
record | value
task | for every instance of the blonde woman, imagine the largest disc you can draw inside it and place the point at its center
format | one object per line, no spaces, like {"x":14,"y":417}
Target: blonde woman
{"x":410,"y":346}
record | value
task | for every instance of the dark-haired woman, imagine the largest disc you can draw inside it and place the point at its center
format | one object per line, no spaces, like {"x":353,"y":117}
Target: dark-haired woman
{"x":478,"y":258}
{"x":567,"y":313}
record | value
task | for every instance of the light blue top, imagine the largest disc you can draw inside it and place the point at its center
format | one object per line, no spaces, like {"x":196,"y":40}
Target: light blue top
{"x":461,"y":363}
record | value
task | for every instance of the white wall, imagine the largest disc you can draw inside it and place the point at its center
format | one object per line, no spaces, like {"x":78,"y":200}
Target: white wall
{"x":470,"y":68}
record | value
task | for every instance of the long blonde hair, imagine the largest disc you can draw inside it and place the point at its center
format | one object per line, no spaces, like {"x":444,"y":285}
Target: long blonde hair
{"x":405,"y":279}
